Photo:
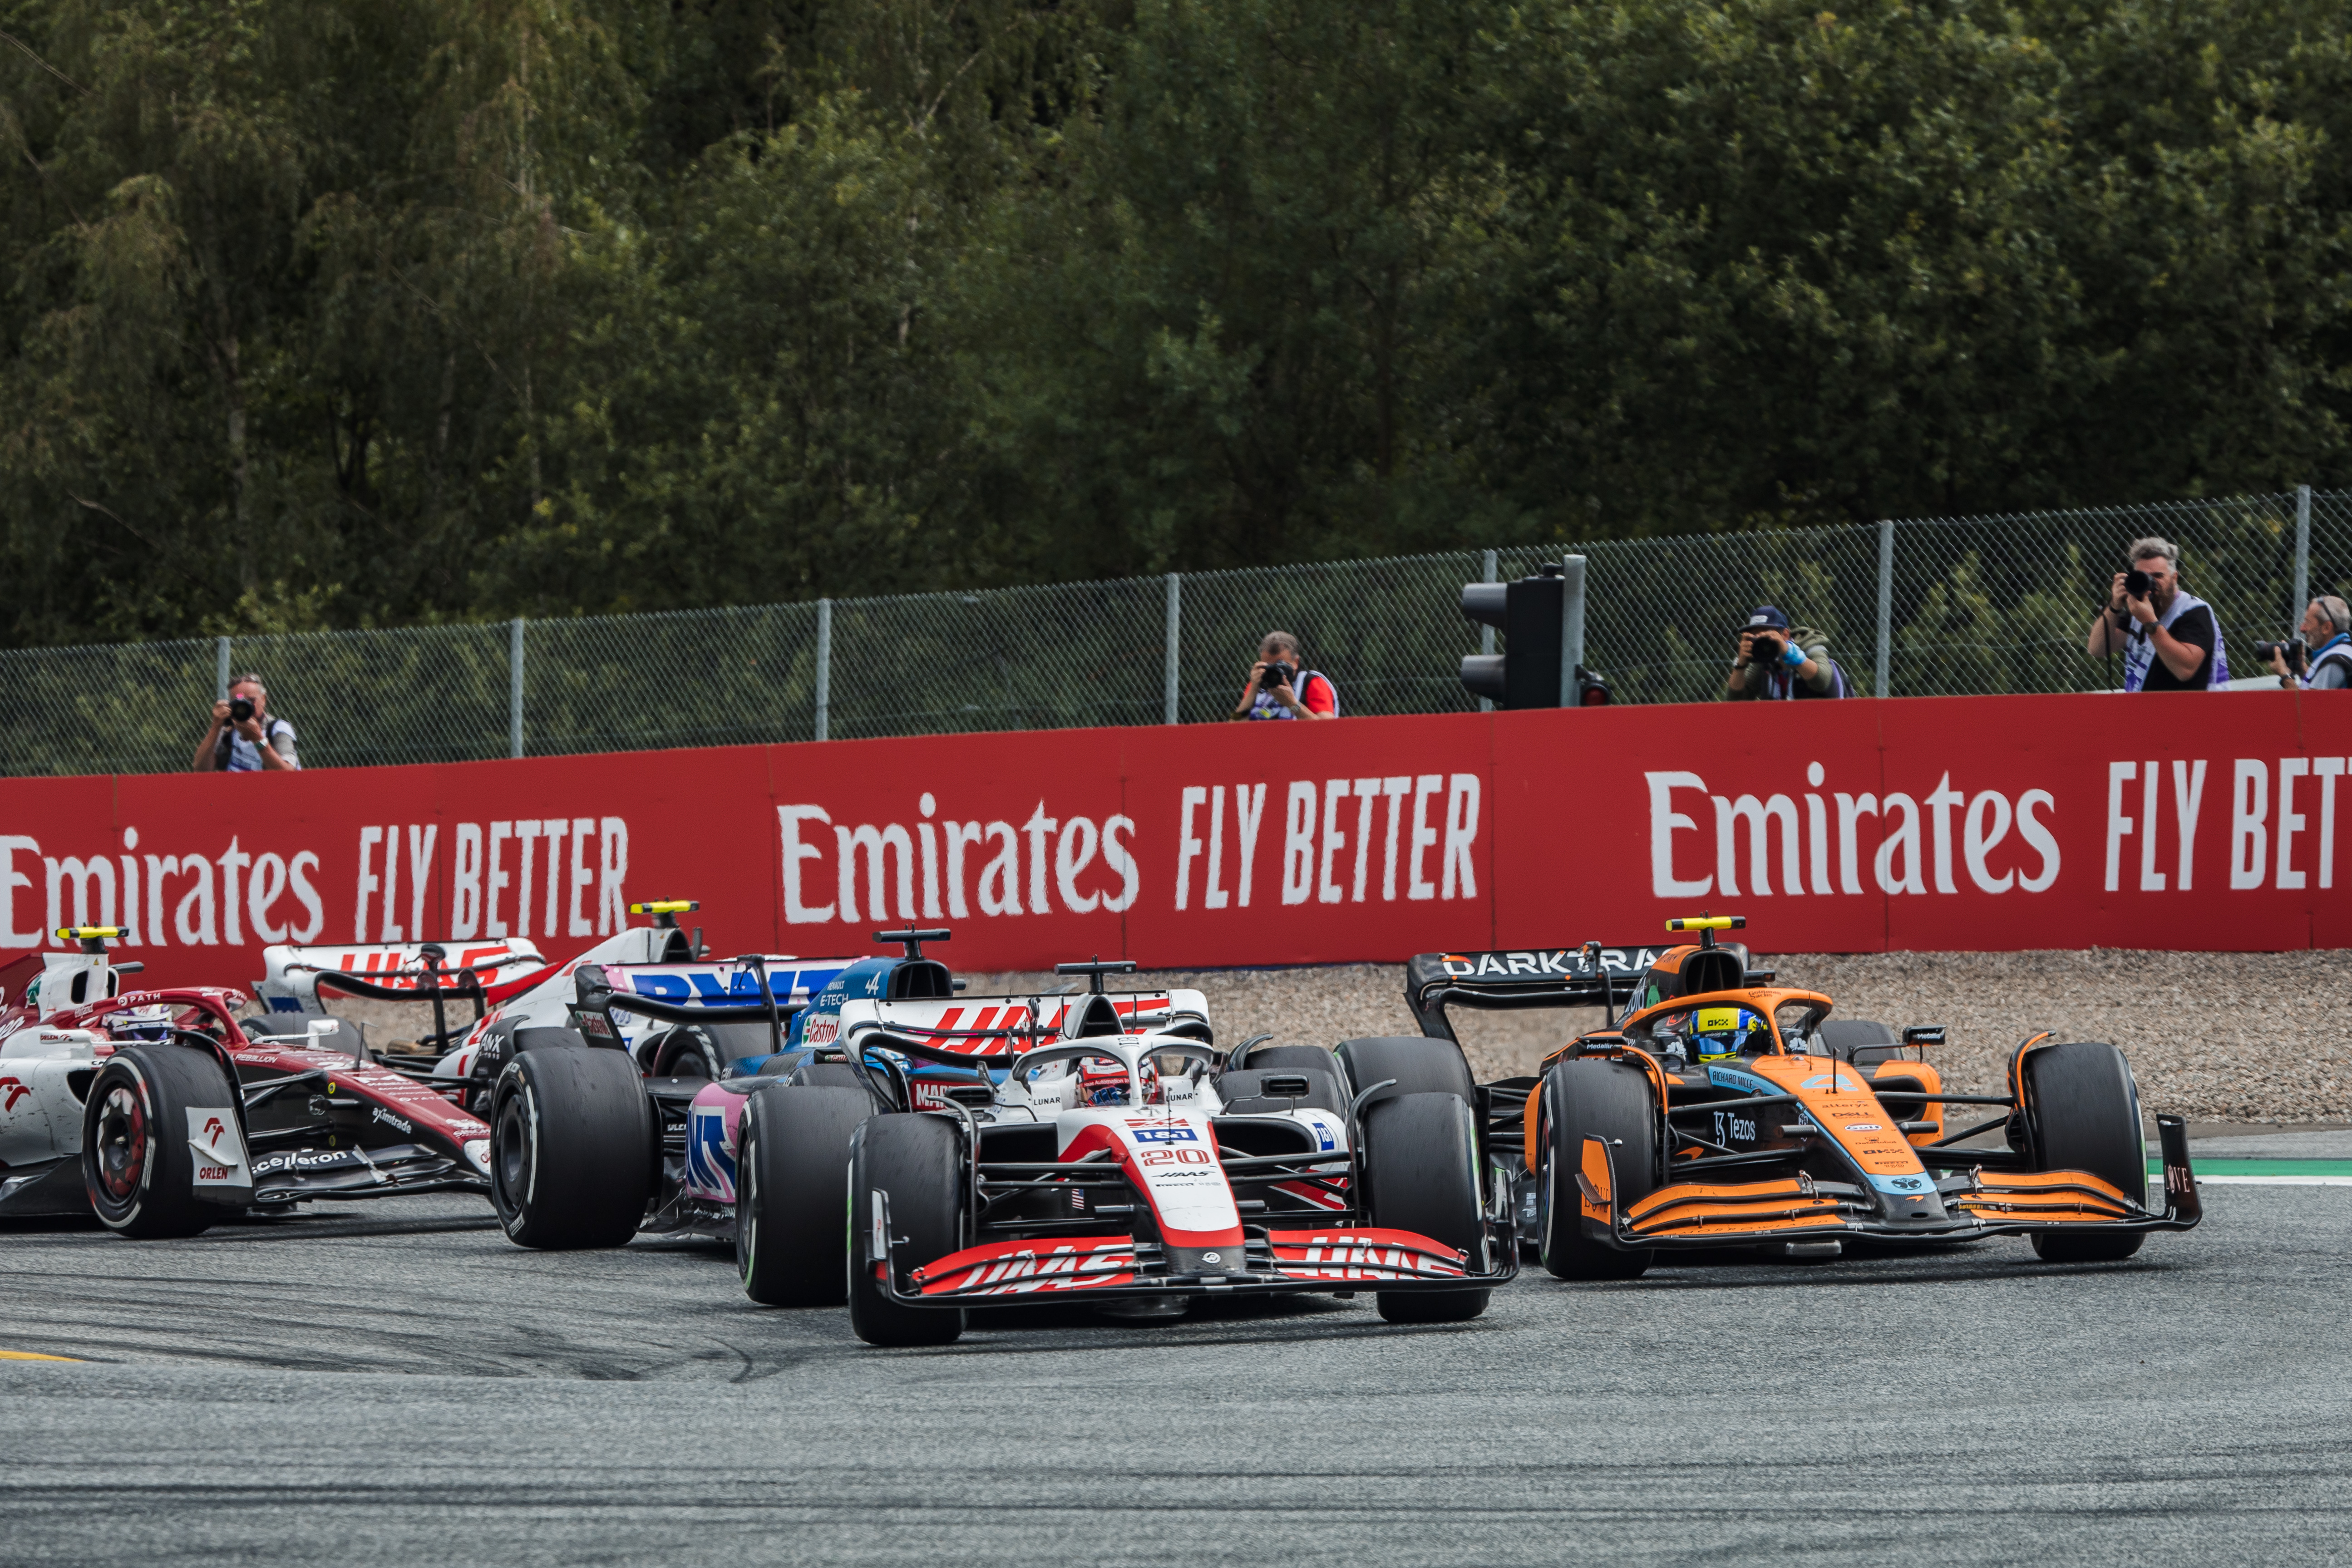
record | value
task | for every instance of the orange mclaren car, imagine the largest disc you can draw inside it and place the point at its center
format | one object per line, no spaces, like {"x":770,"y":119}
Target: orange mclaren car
{"x":1724,"y":1111}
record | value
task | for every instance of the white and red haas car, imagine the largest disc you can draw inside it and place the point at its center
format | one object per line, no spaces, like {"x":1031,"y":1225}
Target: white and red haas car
{"x":1102,"y":1150}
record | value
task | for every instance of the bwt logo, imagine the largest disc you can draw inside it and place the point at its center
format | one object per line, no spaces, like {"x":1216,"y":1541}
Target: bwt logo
{"x":1916,"y":840}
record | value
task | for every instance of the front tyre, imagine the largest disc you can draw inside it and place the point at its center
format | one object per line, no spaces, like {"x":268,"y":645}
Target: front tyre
{"x":570,"y":1134}
{"x":792,"y":1180}
{"x":2085,"y":1117}
{"x":1581,"y":1098}
{"x":916,"y":1161}
{"x":1421,"y":1174}
{"x":136,"y":1162}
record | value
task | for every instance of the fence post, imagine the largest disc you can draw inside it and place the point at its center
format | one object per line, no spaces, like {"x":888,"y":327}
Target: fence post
{"x":824,"y":666}
{"x":1175,"y":623}
{"x":1487,"y":634}
{"x":1886,"y":600}
{"x":1571,"y":628}
{"x":2302,"y":555}
{"x":220,"y":669}
{"x":514,"y":687}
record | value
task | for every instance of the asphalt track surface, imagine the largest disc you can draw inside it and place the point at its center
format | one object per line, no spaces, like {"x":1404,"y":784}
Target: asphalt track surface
{"x":394,"y":1384}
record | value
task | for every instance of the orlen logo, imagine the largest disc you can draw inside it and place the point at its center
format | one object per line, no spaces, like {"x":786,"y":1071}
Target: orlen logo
{"x":213,"y":1130}
{"x":16,"y":1091}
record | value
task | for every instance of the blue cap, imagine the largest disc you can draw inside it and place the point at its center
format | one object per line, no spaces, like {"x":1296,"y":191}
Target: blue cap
{"x":1766,"y":618}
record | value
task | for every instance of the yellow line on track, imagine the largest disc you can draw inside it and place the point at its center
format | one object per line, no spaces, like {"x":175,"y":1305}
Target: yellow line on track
{"x":35,"y":1356}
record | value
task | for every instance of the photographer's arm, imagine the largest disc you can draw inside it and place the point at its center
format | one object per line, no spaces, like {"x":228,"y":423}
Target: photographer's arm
{"x":2183,"y":659}
{"x":208,"y":748}
{"x":275,"y":760}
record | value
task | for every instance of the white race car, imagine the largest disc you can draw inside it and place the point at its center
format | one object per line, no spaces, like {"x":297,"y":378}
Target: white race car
{"x":1103,"y":1149}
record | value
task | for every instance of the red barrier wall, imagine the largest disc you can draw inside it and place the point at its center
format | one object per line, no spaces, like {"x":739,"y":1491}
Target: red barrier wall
{"x":1940,"y":823}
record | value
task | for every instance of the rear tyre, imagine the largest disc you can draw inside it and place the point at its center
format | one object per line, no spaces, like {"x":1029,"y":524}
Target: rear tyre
{"x":1288,"y":1058}
{"x":571,"y":1129}
{"x":1583,"y":1097}
{"x":917,"y":1161}
{"x":2084,"y":1116}
{"x":1419,"y":1066}
{"x":1421,"y":1174}
{"x":792,"y":1175}
{"x":831,"y":1074}
{"x":136,"y":1163}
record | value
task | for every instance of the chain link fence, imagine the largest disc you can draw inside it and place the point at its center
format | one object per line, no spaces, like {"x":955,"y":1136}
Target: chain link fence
{"x":1925,"y":607}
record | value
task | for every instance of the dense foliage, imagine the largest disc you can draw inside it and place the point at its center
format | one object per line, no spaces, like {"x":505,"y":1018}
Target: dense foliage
{"x":335,"y":313}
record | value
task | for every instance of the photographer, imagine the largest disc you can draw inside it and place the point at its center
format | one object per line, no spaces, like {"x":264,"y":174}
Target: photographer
{"x":1279,"y":689}
{"x":2327,"y":636}
{"x":2170,"y":639}
{"x":244,"y":737}
{"x":1780,"y":662}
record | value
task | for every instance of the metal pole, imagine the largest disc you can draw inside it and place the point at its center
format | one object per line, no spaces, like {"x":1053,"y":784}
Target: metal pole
{"x":824,"y":666}
{"x":2302,"y":555}
{"x":1571,"y":627}
{"x":514,"y":687}
{"x":220,"y":669}
{"x":1886,"y":600}
{"x":1487,"y":637}
{"x":1175,"y":622}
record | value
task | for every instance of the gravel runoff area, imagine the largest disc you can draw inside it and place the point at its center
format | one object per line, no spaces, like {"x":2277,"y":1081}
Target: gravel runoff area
{"x":2235,"y":1037}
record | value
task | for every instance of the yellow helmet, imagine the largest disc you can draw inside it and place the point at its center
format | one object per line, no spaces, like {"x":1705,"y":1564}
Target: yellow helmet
{"x":1717,"y":1034}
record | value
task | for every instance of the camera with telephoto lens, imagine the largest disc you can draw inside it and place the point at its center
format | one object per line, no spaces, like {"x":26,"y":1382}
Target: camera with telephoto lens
{"x":2137,"y":583}
{"x":2292,"y":648}
{"x":1766,"y":648}
{"x":240,"y":709}
{"x":1277,"y":675}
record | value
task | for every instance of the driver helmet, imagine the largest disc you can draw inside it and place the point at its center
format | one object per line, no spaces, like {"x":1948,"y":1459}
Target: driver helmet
{"x":149,"y":1023}
{"x":1718,"y":1034}
{"x":1102,"y":1080}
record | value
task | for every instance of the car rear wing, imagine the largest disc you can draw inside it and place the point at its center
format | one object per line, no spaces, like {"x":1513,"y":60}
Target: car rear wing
{"x":503,"y":967}
{"x":1594,"y":975}
{"x":996,"y":1026}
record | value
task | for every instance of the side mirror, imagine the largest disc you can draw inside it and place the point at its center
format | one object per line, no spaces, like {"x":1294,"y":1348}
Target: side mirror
{"x":1924,"y":1035}
{"x":1283,"y":1086}
{"x":978,"y":1096}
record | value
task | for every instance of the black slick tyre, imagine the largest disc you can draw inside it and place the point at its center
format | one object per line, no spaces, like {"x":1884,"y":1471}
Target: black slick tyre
{"x":917,"y":1161}
{"x":1581,"y":1098}
{"x":1288,"y":1058}
{"x":136,"y":1162}
{"x":2085,"y":1114}
{"x":792,"y":1168}
{"x":571,"y":1129}
{"x":1421,"y":1174}
{"x":1417,"y":1064}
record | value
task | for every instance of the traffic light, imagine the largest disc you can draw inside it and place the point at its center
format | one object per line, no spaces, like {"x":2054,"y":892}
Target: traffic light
{"x":1542,"y":622}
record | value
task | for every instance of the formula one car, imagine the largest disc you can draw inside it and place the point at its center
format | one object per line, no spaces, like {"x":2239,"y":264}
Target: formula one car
{"x":1721,"y":1110}
{"x":1118,"y":1160}
{"x":1010,"y":1133}
{"x":159,"y":1111}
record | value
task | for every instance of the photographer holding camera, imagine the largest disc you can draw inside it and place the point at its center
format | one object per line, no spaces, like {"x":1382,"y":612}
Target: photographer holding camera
{"x":1778,"y":662}
{"x":2170,"y":639}
{"x":2321,"y":658}
{"x":244,"y":737}
{"x":1279,"y":689}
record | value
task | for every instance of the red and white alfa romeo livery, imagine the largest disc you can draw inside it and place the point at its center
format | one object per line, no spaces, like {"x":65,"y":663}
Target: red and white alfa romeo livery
{"x":175,"y":1115}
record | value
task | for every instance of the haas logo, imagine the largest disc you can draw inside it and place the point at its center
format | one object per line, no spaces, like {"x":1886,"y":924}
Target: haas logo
{"x":15,"y":1089}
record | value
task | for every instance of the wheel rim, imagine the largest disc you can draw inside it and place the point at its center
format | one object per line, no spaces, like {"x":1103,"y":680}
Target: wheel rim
{"x":747,"y":1211}
{"x":511,"y":1161}
{"x":122,"y":1143}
